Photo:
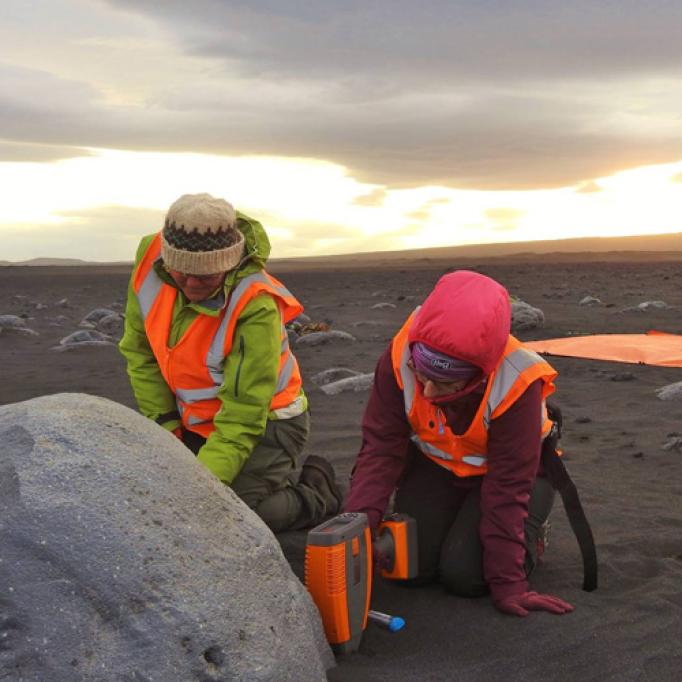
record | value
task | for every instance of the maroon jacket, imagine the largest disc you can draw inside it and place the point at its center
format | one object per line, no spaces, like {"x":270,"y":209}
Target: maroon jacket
{"x":514,"y":441}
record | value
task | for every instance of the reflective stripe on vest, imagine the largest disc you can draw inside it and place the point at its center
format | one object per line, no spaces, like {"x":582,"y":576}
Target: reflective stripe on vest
{"x":285,"y":373}
{"x":409,"y":381}
{"x":473,"y":460}
{"x":215,"y":357}
{"x":465,"y":454}
{"x":150,"y":290}
{"x":506,"y":375}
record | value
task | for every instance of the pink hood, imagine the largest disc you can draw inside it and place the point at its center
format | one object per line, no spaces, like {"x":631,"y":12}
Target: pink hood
{"x":467,"y":316}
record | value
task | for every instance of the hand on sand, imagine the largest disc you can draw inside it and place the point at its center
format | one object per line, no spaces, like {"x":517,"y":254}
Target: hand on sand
{"x":522,"y":604}
{"x":380,"y":561}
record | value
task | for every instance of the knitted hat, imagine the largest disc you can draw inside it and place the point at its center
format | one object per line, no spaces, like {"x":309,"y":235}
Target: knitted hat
{"x":200,"y":236}
{"x":440,"y":367}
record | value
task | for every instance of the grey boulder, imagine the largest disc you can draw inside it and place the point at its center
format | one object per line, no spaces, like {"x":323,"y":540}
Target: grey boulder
{"x":16,"y":324}
{"x":301,"y":320}
{"x":645,"y":306}
{"x":653,"y":305}
{"x":525,"y":316}
{"x":92,"y":319}
{"x":112,"y":325}
{"x":366,"y":323}
{"x":670,"y":392}
{"x":361,"y":382}
{"x":673,"y":443}
{"x":321,"y":338}
{"x":326,"y":376}
{"x":83,"y":338}
{"x":123,"y":558}
{"x":590,"y":300}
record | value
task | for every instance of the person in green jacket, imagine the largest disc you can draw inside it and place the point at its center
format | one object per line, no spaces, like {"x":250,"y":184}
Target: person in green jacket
{"x":204,"y":252}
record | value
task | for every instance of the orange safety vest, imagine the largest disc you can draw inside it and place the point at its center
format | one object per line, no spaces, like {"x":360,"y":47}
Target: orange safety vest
{"x":193,"y":368}
{"x":466,"y":454}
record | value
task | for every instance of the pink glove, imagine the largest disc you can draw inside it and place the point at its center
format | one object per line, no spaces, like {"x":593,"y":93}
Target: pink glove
{"x":379,"y":561}
{"x":521,"y":604}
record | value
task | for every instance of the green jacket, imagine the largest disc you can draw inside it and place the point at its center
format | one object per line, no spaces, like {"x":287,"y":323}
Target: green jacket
{"x":250,"y":369}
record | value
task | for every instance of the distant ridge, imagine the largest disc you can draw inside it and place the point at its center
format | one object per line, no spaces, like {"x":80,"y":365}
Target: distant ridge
{"x":47,"y":261}
{"x":60,"y":262}
{"x":647,"y":247}
{"x":638,"y":248}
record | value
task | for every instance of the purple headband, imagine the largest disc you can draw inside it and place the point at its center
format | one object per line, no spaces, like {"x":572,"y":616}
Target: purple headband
{"x":440,"y":367}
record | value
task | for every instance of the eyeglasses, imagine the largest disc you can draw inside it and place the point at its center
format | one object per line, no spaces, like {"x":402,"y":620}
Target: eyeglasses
{"x":204,"y":279}
{"x":441,"y":386}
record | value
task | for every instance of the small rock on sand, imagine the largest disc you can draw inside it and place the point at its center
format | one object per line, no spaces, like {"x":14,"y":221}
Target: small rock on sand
{"x":112,"y":325}
{"x":82,"y":338}
{"x":16,"y":325}
{"x":623,"y":376}
{"x":321,"y":338}
{"x":525,"y":316}
{"x":94,"y":316}
{"x":362,"y":382}
{"x":674,"y":444}
{"x":590,"y":300}
{"x":333,"y":374}
{"x":670,"y":392}
{"x":301,"y":320}
{"x":655,"y":305}
{"x":11,"y":322}
{"x":366,"y":323}
{"x":647,"y":305}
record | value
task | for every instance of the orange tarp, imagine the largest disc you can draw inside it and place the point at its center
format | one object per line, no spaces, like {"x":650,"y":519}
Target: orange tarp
{"x":652,"y":348}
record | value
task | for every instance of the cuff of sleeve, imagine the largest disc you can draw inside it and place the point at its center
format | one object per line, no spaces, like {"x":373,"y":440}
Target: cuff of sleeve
{"x":373,"y":516}
{"x":222,"y":469}
{"x":504,"y":590}
{"x":171,"y":425}
{"x":172,"y":417}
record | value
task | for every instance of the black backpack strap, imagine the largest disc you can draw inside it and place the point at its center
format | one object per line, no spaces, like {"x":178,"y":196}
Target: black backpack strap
{"x":558,"y":476}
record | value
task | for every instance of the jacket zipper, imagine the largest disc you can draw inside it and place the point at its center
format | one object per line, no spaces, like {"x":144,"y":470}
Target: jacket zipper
{"x":242,"y":350}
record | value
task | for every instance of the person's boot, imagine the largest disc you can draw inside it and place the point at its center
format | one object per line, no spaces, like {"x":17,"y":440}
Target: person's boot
{"x":317,"y":473}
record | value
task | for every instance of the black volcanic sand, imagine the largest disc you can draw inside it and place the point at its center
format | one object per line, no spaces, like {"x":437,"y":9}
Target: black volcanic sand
{"x":615,"y":429}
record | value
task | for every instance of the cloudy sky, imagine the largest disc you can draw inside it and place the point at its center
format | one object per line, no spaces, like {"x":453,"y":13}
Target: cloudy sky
{"x":343,"y":126}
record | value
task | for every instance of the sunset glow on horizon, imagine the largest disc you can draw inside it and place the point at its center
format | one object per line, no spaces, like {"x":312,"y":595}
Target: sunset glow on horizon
{"x":108,"y":200}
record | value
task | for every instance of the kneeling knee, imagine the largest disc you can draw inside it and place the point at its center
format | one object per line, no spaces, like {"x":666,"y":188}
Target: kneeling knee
{"x":463,"y":583}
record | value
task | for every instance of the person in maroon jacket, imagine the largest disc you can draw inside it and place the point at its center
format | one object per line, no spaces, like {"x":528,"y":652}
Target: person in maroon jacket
{"x":454,"y":426}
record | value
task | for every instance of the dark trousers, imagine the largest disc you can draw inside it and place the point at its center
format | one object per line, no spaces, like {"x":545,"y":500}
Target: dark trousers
{"x":265,"y":481}
{"x":448,"y":518}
